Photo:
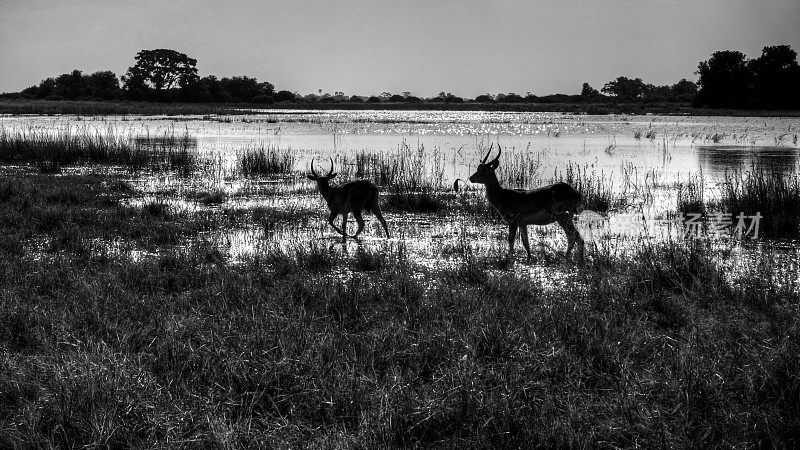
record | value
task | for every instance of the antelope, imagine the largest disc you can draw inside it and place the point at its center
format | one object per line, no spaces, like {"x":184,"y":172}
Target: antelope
{"x":542,"y":206}
{"x":351,"y":197}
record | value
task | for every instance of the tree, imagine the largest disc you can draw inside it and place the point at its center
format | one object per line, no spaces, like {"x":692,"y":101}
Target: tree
{"x":725,"y":80}
{"x":776,"y":77}
{"x":47,"y":88}
{"x":243,"y":88}
{"x":625,"y":88}
{"x":683,"y":91}
{"x":284,"y":96}
{"x":70,"y":85}
{"x":208,"y":89}
{"x":160,"y":69}
{"x":513,"y":97}
{"x":448,"y":98}
{"x":588,"y":91}
{"x":103,"y":84}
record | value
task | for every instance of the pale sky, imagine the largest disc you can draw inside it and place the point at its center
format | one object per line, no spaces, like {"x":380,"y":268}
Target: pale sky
{"x":366,"y":47}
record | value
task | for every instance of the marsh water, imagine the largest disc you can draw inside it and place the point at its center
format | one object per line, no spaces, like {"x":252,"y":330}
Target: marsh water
{"x":642,"y":160}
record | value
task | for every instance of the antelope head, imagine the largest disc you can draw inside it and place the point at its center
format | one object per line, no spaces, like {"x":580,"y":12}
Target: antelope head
{"x":485,"y":170}
{"x":313,"y":176}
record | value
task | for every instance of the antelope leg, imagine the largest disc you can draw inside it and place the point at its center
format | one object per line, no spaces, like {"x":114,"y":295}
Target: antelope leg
{"x":512,"y":234}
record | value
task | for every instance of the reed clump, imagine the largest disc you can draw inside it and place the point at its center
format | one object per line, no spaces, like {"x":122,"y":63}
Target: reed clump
{"x":596,"y":188}
{"x":414,"y":179}
{"x":265,"y":160}
{"x":772,"y":194}
{"x":53,"y":149}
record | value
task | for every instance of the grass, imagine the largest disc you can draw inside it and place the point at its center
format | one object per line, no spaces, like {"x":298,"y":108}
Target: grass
{"x":186,"y":348}
{"x":520,"y":170}
{"x":773,"y":194}
{"x":84,"y":208}
{"x":691,"y":195}
{"x":265,"y":161}
{"x":412,"y":178}
{"x":210,"y":197}
{"x":66,"y":146}
{"x":596,"y":189}
{"x":101,"y":108}
{"x":308,"y":343}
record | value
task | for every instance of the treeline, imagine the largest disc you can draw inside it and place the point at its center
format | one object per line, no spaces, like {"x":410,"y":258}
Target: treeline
{"x":726,"y":80}
{"x":771,"y":81}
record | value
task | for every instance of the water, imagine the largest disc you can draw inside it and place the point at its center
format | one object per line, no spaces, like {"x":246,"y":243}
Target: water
{"x":657,"y":152}
{"x":678,"y":145}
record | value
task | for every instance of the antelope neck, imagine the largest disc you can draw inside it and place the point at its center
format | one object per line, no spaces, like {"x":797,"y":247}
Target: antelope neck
{"x":324,"y":188}
{"x":492,"y":184}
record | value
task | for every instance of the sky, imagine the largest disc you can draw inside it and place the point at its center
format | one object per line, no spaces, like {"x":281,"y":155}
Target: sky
{"x":366,"y":47}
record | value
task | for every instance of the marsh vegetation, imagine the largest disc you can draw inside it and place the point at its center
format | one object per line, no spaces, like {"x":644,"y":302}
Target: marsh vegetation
{"x":156,"y":292}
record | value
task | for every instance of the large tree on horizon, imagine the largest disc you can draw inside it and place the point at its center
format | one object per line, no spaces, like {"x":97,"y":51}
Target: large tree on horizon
{"x":777,"y":77}
{"x":625,"y":88}
{"x":725,"y":80}
{"x":160,"y":69}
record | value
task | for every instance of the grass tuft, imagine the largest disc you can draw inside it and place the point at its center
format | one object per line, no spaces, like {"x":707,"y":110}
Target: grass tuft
{"x":265,"y":161}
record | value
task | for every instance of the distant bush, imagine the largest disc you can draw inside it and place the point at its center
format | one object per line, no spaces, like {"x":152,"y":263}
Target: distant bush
{"x":263,"y":99}
{"x":284,"y":96}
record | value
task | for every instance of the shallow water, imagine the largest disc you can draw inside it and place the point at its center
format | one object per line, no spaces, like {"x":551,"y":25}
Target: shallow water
{"x":642,"y":158}
{"x":675,"y":145}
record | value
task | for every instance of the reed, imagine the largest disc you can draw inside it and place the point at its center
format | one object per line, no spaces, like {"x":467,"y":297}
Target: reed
{"x":265,"y":160}
{"x":762,"y":190}
{"x":68,"y":146}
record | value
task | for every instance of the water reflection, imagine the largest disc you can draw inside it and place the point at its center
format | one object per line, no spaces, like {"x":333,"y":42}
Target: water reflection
{"x":715,"y":160}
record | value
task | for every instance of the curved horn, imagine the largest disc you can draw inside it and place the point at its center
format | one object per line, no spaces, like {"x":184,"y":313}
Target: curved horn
{"x":313,"y":172}
{"x":330,"y":171}
{"x":483,"y":161}
{"x":496,"y":158}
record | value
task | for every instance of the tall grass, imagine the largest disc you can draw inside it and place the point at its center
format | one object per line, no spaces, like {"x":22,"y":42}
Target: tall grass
{"x":413,"y":178}
{"x":68,"y":147}
{"x":773,"y":194}
{"x":520,"y":170}
{"x":380,"y":168}
{"x":691,"y":195}
{"x":267,"y":160}
{"x":596,"y":189}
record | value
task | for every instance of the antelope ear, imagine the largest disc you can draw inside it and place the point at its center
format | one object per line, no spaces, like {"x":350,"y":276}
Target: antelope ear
{"x":311,"y":177}
{"x":332,"y":176}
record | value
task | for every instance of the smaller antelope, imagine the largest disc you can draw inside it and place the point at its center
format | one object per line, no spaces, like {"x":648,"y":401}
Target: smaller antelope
{"x":351,"y":197}
{"x":519,"y":208}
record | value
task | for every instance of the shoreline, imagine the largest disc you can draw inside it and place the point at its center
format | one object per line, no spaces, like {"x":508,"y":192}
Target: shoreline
{"x":19,"y":107}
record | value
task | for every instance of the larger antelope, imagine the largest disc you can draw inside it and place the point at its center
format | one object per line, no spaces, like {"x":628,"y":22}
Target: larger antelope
{"x":352,"y":197}
{"x":519,"y":208}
